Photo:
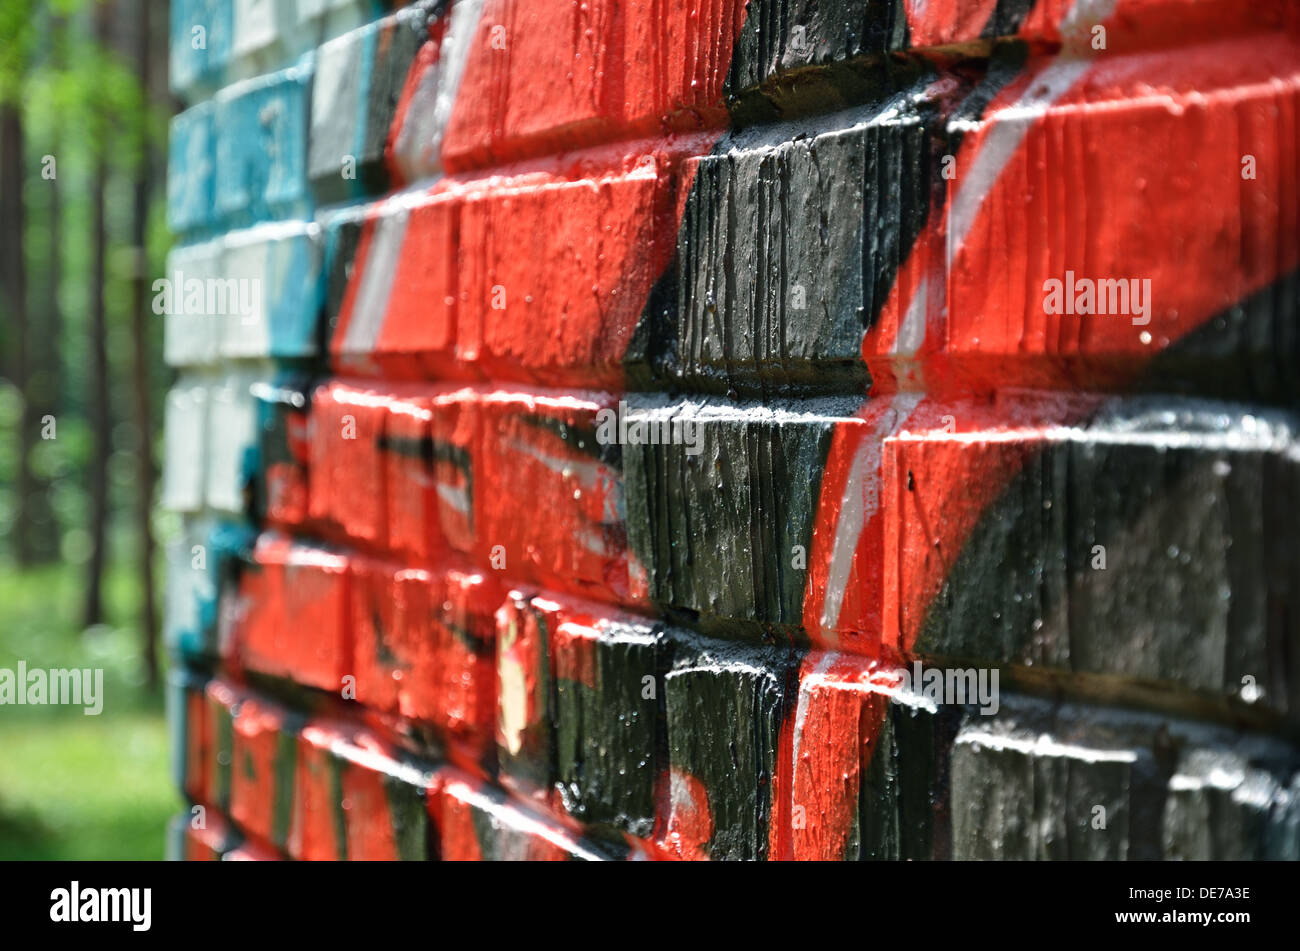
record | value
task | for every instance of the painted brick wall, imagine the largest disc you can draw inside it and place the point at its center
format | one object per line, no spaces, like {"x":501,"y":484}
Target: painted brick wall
{"x":425,"y":606}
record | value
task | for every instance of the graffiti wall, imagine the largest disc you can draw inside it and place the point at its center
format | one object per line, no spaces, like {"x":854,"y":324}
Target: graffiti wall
{"x":710,"y":429}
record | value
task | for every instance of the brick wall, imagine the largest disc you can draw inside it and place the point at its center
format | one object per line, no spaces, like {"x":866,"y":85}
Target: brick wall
{"x":441,"y":594}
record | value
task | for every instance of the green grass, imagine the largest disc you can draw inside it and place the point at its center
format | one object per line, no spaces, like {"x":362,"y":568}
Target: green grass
{"x":90,"y":789}
{"x":74,"y":786}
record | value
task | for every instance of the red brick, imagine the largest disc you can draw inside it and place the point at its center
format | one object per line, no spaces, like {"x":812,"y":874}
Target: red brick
{"x":356,"y":800}
{"x":209,"y":843}
{"x":293,"y":614}
{"x":424,"y":646}
{"x":565,"y":77}
{"x":541,"y":451}
{"x":262,"y":774}
{"x":347,"y":472}
{"x":959,"y":318}
{"x":476,"y":823}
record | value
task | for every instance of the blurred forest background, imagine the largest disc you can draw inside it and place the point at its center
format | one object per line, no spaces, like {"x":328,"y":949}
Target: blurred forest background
{"x":84,"y":107}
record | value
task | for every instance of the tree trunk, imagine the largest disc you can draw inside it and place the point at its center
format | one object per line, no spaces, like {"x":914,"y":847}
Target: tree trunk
{"x":44,"y":320}
{"x":98,"y":377}
{"x":13,"y":279}
{"x":141,"y":326}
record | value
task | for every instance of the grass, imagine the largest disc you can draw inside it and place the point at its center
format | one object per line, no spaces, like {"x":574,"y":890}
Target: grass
{"x":74,"y":786}
{"x":94,"y":789}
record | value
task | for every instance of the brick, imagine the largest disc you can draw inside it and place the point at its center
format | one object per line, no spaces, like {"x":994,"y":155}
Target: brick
{"x":476,"y":823}
{"x":263,"y":37}
{"x":255,"y":293}
{"x":771,"y":289}
{"x":415,"y":136}
{"x":433,"y":84}
{"x":190,"y":733}
{"x":276,"y":270}
{"x":525,"y":731}
{"x":318,"y":831}
{"x":519,"y":94}
{"x":1190,"y":587}
{"x":293,"y":615}
{"x":1246,"y":351}
{"x":961,"y":321}
{"x":284,"y":449}
{"x":454,"y":439}
{"x":346,"y":469}
{"x":564,"y":313}
{"x":190,"y":168}
{"x":862,"y":582}
{"x":231,"y":454}
{"x":356,"y":800}
{"x":424,"y":641}
{"x":410,"y":490}
{"x":210,"y":842}
{"x":262,"y":147}
{"x":264,"y":761}
{"x":1222,"y":806}
{"x":579,"y":710}
{"x":993,"y":817}
{"x":435,"y":464}
{"x":866,"y":769}
{"x":228,"y":547}
{"x":191,"y":335}
{"x":359,"y":79}
{"x":426,"y":282}
{"x":185,"y":428}
{"x":186,"y":588}
{"x":607,"y":708}
{"x":374,"y":621}
{"x":432,"y":465}
{"x":200,"y":38}
{"x":392,"y":286}
{"x":719,"y":790}
{"x":545,"y":449}
{"x":223,"y":703}
{"x":714,"y":517}
{"x":1158,"y":781}
{"x":202,"y":566}
{"x":781,"y":37}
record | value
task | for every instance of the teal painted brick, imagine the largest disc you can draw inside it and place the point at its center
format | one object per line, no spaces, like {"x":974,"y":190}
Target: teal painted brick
{"x":199,"y":564}
{"x":280,"y":263}
{"x":190,"y":170}
{"x":251,"y":293}
{"x":261,"y":146}
{"x":201,"y":34}
{"x":181,"y":681}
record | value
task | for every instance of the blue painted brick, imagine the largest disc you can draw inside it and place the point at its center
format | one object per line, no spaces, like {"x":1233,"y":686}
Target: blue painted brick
{"x":201,"y":33}
{"x":261,"y":171}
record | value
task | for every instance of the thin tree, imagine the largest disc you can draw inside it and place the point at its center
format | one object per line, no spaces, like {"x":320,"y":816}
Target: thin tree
{"x":146,"y":473}
{"x":45,"y":318}
{"x":98,"y":396}
{"x":13,"y":279}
